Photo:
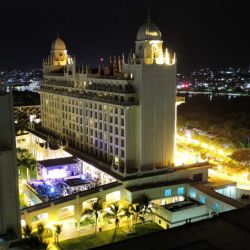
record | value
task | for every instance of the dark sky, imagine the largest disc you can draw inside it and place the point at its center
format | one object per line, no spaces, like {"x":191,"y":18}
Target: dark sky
{"x":203,"y":33}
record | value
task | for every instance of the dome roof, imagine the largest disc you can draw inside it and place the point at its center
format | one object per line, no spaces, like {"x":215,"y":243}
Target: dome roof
{"x":58,"y":44}
{"x":148,"y":31}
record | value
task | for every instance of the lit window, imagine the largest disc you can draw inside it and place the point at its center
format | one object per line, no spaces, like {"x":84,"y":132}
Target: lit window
{"x":180,"y":190}
{"x":128,"y":196}
{"x":42,"y":216}
{"x":23,"y":223}
{"x":192,"y":193}
{"x":167,"y":192}
{"x":202,"y":199}
{"x":217,"y":207}
{"x":116,"y":160}
{"x":113,"y":197}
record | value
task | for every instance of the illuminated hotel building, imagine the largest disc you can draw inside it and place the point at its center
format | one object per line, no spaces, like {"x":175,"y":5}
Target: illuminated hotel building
{"x":123,"y":113}
{"x":118,"y":122}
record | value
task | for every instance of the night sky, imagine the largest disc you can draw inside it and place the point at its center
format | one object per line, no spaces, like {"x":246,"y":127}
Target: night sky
{"x":203,"y":33}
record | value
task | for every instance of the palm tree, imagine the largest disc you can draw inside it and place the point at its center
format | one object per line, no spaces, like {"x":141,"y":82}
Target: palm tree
{"x":58,"y":230}
{"x":40,"y":231}
{"x":94,"y":211}
{"x":145,"y":204}
{"x":138,"y":213}
{"x":114,"y":213}
{"x":27,"y":231}
{"x":34,"y":243}
{"x":25,"y":161}
{"x":127,"y":213}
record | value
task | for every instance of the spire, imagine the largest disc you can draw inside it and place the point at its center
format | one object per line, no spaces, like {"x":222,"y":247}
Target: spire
{"x":99,"y":69}
{"x":119,"y":64}
{"x":174,"y":59}
{"x":148,"y":12}
{"x":148,"y":17}
{"x":123,"y":58}
{"x":57,"y":34}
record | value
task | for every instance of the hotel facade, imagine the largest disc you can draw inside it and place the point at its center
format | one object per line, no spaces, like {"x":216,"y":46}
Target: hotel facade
{"x":123,"y":113}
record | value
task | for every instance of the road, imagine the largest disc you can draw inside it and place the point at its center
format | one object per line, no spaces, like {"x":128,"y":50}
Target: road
{"x":217,"y":156}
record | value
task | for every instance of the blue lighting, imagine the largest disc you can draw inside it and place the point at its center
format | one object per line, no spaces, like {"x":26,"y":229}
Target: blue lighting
{"x":202,"y":199}
{"x":180,"y":190}
{"x":52,"y":190}
{"x":192,"y":193}
{"x":217,"y":207}
{"x":167,"y":192}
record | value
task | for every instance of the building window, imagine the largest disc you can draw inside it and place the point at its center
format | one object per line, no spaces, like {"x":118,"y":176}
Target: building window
{"x":217,"y":207}
{"x":202,"y":199}
{"x":180,"y":190}
{"x":192,"y":193}
{"x":122,"y":122}
{"x":113,"y":197}
{"x":116,"y":161}
{"x":116,"y":120}
{"x":197,"y":177}
{"x":105,"y":136}
{"x":167,"y":192}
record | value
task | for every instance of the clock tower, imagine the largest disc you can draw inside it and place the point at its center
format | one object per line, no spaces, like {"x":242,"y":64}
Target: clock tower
{"x":58,"y":52}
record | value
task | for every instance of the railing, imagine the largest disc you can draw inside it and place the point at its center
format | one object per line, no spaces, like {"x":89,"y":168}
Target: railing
{"x":118,"y":77}
{"x":93,"y":97}
{"x":113,"y":89}
{"x":70,"y":197}
{"x":58,"y":83}
{"x":180,"y":99}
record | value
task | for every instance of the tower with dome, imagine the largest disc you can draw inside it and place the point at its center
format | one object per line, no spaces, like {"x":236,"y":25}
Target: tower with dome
{"x":58,"y":57}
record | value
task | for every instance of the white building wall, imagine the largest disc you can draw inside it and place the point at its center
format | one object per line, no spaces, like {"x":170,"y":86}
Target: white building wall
{"x":9,"y":196}
{"x":155,"y":118}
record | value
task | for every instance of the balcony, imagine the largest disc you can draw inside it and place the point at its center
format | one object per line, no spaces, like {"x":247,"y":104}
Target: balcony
{"x":180,"y":100}
{"x":130,"y":101}
{"x":125,"y":89}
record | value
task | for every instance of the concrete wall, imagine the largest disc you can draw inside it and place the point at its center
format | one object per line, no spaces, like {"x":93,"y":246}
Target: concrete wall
{"x":157,"y":193}
{"x":9,"y":196}
{"x":155,"y":119}
{"x":168,"y":219}
{"x":209,"y":201}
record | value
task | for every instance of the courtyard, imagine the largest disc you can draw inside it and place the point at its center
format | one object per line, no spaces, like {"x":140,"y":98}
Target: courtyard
{"x":110,"y":236}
